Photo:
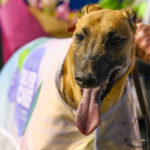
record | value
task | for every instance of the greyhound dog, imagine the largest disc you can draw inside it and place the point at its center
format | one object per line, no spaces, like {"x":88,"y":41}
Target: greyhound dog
{"x":96,"y":110}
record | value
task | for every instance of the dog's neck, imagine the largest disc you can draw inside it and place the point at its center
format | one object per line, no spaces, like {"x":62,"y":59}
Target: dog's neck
{"x":72,"y":92}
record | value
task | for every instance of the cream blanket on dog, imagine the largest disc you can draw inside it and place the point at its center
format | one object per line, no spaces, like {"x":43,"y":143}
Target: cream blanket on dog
{"x":40,"y":119}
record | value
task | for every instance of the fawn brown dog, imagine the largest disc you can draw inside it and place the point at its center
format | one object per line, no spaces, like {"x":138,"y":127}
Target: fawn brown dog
{"x":98,"y":63}
{"x":72,"y":87}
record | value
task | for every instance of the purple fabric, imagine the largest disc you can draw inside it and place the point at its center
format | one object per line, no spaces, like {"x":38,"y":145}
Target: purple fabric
{"x":23,"y":87}
{"x":18,"y":27}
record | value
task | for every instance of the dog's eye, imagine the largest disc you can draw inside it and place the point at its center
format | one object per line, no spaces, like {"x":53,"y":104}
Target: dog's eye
{"x":114,"y":42}
{"x":79,"y":37}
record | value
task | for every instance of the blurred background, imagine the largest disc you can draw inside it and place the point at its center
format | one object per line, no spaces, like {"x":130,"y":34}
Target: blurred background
{"x":22,"y":21}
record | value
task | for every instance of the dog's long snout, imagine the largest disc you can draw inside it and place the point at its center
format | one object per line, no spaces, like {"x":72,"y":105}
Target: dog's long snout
{"x":85,"y":79}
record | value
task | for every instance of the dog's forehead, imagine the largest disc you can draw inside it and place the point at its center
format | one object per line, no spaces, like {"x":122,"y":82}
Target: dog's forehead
{"x":105,"y":20}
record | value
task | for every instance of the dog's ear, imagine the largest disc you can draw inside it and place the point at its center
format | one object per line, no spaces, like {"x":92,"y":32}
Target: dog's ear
{"x":89,"y":8}
{"x":131,"y":16}
{"x":85,"y":10}
{"x":71,"y":28}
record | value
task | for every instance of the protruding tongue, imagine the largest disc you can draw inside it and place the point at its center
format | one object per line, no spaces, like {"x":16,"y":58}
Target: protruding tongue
{"x":88,"y":112}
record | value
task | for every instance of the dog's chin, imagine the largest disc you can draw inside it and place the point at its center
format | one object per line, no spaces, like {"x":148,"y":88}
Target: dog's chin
{"x":88,"y":111}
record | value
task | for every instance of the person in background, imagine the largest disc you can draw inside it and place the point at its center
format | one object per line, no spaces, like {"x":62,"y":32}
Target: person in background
{"x":142,"y":41}
{"x":142,"y":37}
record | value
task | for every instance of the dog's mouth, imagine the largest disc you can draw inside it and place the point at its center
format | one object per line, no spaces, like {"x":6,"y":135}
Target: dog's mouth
{"x":88,"y":112}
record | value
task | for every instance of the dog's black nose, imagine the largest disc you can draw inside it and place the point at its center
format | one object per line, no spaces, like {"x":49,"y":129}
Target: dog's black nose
{"x":85,"y":79}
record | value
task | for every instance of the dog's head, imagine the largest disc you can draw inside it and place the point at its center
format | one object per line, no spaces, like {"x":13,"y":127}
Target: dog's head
{"x":102,"y":43}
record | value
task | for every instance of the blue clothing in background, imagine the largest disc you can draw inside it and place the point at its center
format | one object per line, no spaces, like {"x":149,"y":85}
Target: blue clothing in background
{"x":77,"y":4}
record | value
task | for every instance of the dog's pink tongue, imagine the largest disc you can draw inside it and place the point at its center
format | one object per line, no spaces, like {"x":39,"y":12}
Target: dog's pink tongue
{"x":88,"y":112}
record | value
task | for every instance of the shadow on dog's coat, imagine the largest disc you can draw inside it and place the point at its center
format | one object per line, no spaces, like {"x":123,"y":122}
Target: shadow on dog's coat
{"x":33,"y":110}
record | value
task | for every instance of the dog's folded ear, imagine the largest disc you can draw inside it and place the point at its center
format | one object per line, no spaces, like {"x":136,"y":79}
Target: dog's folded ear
{"x":85,"y":10}
{"x":131,"y":16}
{"x":71,"y":28}
{"x":89,"y":8}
